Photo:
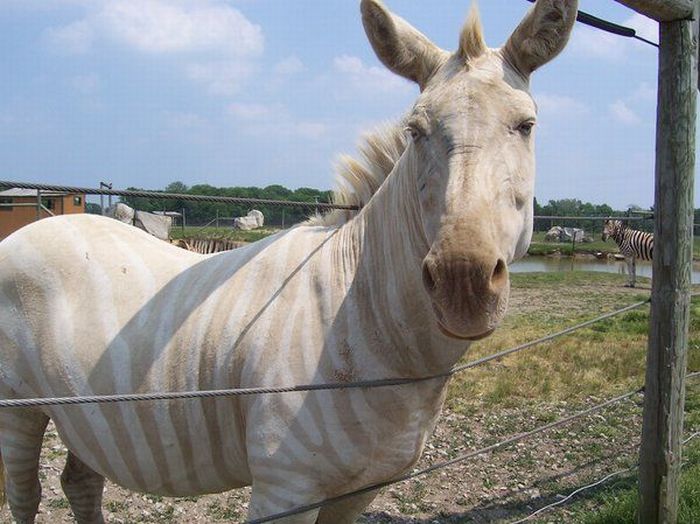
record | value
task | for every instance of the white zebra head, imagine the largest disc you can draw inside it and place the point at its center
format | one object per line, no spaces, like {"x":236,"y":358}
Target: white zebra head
{"x":472,"y":145}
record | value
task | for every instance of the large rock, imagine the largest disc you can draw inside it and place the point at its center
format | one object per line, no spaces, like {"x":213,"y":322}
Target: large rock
{"x":157,"y":225}
{"x":253,"y":220}
{"x":122,"y":212}
{"x":565,"y":234}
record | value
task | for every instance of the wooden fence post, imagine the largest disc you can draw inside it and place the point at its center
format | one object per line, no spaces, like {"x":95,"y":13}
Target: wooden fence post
{"x":660,"y":454}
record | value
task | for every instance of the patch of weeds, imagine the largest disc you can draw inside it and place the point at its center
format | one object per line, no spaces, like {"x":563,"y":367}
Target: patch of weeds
{"x":411,"y":501}
{"x":547,"y":417}
{"x":153,"y":498}
{"x":187,"y":499}
{"x":166,"y":514}
{"x":60,"y":503}
{"x":592,"y":448}
{"x":523,"y":460}
{"x":219,"y":511}
{"x":53,"y":454}
{"x":116,"y":506}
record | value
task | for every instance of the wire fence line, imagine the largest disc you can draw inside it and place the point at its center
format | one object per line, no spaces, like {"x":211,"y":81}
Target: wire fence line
{"x":4,"y":184}
{"x":571,"y":217}
{"x":592,"y":485}
{"x":363,"y":384}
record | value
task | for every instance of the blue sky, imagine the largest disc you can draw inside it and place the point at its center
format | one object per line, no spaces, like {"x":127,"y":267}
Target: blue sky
{"x":258,"y":92}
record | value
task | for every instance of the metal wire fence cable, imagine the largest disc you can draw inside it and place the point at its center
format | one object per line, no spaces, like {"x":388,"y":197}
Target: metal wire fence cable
{"x":177,"y":395}
{"x":442,"y":465}
{"x":548,"y":338}
{"x":173,"y":196}
{"x":573,"y":494}
{"x":592,"y":485}
{"x":5,"y":184}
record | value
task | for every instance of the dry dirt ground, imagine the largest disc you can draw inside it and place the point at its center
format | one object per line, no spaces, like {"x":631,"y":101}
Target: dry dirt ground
{"x":501,"y":486}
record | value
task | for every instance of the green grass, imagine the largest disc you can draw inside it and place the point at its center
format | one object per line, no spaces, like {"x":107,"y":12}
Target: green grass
{"x":538,"y":246}
{"x":222,"y":232}
{"x":616,"y":502}
{"x":604,"y":359}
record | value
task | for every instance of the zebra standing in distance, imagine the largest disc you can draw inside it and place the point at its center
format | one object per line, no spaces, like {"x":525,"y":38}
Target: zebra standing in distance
{"x":207,"y":246}
{"x":633,"y":245}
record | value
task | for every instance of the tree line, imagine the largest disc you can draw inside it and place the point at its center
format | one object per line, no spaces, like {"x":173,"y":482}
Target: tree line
{"x":572,"y":207}
{"x":200,"y":213}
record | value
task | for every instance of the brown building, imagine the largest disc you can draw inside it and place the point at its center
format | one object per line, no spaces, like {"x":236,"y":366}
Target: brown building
{"x":18,"y":207}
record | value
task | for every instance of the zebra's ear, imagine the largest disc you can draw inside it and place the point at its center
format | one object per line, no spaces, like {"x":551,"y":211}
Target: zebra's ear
{"x":541,"y":35}
{"x":400,"y":47}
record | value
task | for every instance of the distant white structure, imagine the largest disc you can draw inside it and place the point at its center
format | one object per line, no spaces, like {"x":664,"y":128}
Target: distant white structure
{"x":157,"y":225}
{"x":253,"y":220}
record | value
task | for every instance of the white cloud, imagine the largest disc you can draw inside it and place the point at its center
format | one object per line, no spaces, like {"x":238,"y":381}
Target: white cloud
{"x":219,"y":40}
{"x":622,"y":113}
{"x":274,"y":120}
{"x":220,"y":77}
{"x":644,"y":93}
{"x":597,"y":44}
{"x":559,"y":105}
{"x":368,"y":78}
{"x":163,"y":26}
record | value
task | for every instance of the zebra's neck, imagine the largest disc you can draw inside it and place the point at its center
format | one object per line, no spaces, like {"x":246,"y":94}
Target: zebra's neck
{"x":388,"y":244}
{"x":619,"y":233}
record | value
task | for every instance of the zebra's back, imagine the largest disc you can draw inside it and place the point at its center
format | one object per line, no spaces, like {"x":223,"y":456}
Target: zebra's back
{"x":637,"y":244}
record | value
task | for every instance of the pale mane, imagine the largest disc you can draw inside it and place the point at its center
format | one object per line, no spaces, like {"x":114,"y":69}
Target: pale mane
{"x":359,"y":179}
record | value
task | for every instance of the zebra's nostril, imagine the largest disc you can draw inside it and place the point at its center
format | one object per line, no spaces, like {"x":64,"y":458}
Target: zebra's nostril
{"x":428,"y":278}
{"x":499,"y":276}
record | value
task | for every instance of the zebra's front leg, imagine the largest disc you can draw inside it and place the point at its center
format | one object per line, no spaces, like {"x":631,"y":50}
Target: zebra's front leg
{"x":83,"y":488}
{"x":21,"y":436}
{"x":267,"y":500}
{"x":632,"y":270}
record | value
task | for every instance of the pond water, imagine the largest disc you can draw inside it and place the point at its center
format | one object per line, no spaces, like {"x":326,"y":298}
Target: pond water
{"x":549,"y":264}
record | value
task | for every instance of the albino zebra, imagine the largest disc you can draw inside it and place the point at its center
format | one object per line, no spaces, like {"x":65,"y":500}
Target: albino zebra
{"x":633,"y":245}
{"x":398,"y":289}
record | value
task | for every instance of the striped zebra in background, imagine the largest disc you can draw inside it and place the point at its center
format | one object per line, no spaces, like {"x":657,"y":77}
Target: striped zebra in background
{"x":633,"y":245}
{"x":207,"y":246}
{"x":400,"y":288}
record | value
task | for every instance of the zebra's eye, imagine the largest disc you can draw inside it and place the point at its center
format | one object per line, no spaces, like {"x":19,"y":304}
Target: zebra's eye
{"x":525,"y":128}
